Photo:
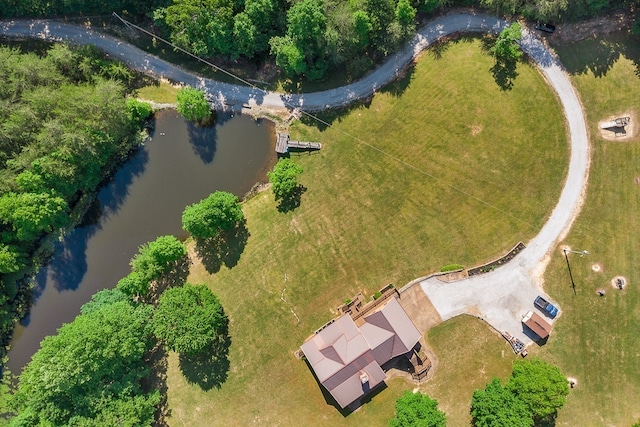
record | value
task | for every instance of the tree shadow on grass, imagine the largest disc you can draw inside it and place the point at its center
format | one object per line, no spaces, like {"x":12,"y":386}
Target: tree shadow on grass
{"x":210,"y":368}
{"x":504,"y":73}
{"x":224,"y":249}
{"x":157,"y":361}
{"x":175,"y":277}
{"x":292,"y":200}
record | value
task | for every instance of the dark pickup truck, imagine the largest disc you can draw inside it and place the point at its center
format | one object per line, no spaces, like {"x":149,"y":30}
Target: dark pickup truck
{"x":545,"y":26}
{"x":546,"y":307}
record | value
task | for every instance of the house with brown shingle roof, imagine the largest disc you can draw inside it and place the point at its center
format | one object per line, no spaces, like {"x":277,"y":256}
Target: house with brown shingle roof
{"x":347,"y":359}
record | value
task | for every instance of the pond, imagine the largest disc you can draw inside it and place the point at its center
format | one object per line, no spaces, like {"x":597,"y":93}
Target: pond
{"x":179,"y":164}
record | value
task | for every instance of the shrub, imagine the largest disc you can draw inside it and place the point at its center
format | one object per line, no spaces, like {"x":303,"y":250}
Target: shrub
{"x":377,"y":295}
{"x":451,"y":267}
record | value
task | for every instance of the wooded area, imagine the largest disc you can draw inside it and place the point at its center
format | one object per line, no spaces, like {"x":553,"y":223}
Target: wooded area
{"x":65,"y":124}
{"x":305,"y":38}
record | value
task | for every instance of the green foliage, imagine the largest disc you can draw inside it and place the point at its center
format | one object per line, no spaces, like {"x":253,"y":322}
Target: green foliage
{"x":497,"y":406}
{"x":135,"y":284}
{"x":192,"y":104}
{"x":31,"y":214}
{"x":12,"y":259}
{"x":189,"y":319}
{"x":138,"y":111}
{"x":155,"y":258}
{"x":284,"y":178}
{"x":451,"y":267}
{"x":405,"y":14}
{"x":540,"y":385}
{"x":417,"y":410}
{"x":33,"y":8}
{"x":362,"y":28}
{"x":506,"y":47}
{"x":221,"y":211}
{"x":90,"y":372}
{"x":103,"y":298}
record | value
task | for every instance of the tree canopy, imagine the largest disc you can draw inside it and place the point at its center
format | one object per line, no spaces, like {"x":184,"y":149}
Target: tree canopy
{"x":193,"y":104}
{"x":497,"y":406}
{"x":189,"y":319}
{"x":90,"y":372}
{"x":417,"y":410}
{"x":506,"y":47}
{"x":220,"y":211}
{"x":284,"y":178}
{"x":540,"y":385}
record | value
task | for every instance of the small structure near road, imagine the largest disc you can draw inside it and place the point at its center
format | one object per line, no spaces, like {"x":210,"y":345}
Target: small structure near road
{"x":284,"y":143}
{"x":617,"y":125}
{"x":537,"y":324}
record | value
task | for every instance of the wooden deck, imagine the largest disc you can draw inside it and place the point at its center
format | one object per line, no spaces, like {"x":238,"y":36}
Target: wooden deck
{"x":284,"y":143}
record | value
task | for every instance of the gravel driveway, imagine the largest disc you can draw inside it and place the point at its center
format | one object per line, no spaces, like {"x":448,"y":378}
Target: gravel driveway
{"x":500,"y":297}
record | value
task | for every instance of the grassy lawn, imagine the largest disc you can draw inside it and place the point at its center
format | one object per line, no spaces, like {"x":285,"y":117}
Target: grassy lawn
{"x":596,"y":339}
{"x":470,"y":353}
{"x":440,"y":168}
{"x":162,"y":93}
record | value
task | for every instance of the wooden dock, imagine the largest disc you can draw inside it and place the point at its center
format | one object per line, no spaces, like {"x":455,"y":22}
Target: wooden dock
{"x":284,"y":143}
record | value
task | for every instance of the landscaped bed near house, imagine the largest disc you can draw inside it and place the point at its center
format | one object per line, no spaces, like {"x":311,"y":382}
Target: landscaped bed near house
{"x":458,"y":172}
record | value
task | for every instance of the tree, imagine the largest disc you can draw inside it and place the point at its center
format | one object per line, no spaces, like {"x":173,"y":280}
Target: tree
{"x":405,"y":14}
{"x":362,"y":28}
{"x":540,"y":385}
{"x":221,"y":211}
{"x":506,"y":47}
{"x":303,"y":48}
{"x":497,"y":406}
{"x":417,"y":410}
{"x":12,"y":259}
{"x":284,"y":178}
{"x":134,"y":285}
{"x":91,"y":370}
{"x":192,"y":104}
{"x":31,"y":214}
{"x":155,"y":258}
{"x":103,"y":298}
{"x":189,"y":319}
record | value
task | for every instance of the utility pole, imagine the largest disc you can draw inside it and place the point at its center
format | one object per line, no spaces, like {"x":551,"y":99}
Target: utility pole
{"x":581,"y":253}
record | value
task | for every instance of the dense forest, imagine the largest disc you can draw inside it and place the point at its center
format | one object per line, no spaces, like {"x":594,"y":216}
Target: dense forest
{"x":65,"y":124}
{"x":305,"y":38}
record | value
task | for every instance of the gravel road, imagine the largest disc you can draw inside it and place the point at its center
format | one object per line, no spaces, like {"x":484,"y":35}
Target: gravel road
{"x":500,"y":297}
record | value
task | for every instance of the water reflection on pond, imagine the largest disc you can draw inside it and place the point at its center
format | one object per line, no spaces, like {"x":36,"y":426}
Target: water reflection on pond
{"x":179,"y":165}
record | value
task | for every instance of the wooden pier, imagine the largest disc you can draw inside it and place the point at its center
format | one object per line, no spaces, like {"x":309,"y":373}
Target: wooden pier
{"x":284,"y":143}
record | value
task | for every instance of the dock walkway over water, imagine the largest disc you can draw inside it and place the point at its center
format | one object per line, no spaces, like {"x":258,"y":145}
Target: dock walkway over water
{"x":284,"y":143}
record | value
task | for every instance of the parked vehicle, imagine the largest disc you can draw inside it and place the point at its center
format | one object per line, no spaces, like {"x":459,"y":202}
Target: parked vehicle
{"x":545,"y":26}
{"x":546,"y":307}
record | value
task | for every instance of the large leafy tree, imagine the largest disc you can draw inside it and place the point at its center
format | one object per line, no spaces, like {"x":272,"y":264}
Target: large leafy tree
{"x":221,"y":211}
{"x":31,"y":214}
{"x":193,"y":104}
{"x":90,"y":372}
{"x":284,"y":178}
{"x":303,"y":51}
{"x":506,"y":47}
{"x":540,"y":385}
{"x":190,"y":319}
{"x":497,"y":406}
{"x":417,"y":410}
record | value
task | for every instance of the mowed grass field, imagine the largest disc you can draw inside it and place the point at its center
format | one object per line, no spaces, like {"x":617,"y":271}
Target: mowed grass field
{"x":442,"y":167}
{"x":597,"y":338}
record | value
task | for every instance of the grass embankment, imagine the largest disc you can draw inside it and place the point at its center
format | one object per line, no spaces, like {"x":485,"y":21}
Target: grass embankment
{"x":596,"y":339}
{"x":160,"y":92}
{"x":381,"y":215}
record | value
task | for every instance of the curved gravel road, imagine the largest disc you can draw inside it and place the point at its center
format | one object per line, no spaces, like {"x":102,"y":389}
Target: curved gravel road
{"x":500,"y":297}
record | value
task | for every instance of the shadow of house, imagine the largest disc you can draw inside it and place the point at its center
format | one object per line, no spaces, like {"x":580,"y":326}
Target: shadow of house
{"x":347,"y":358}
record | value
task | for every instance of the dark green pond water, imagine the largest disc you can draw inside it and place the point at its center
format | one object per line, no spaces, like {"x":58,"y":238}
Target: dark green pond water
{"x":179,"y":165}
